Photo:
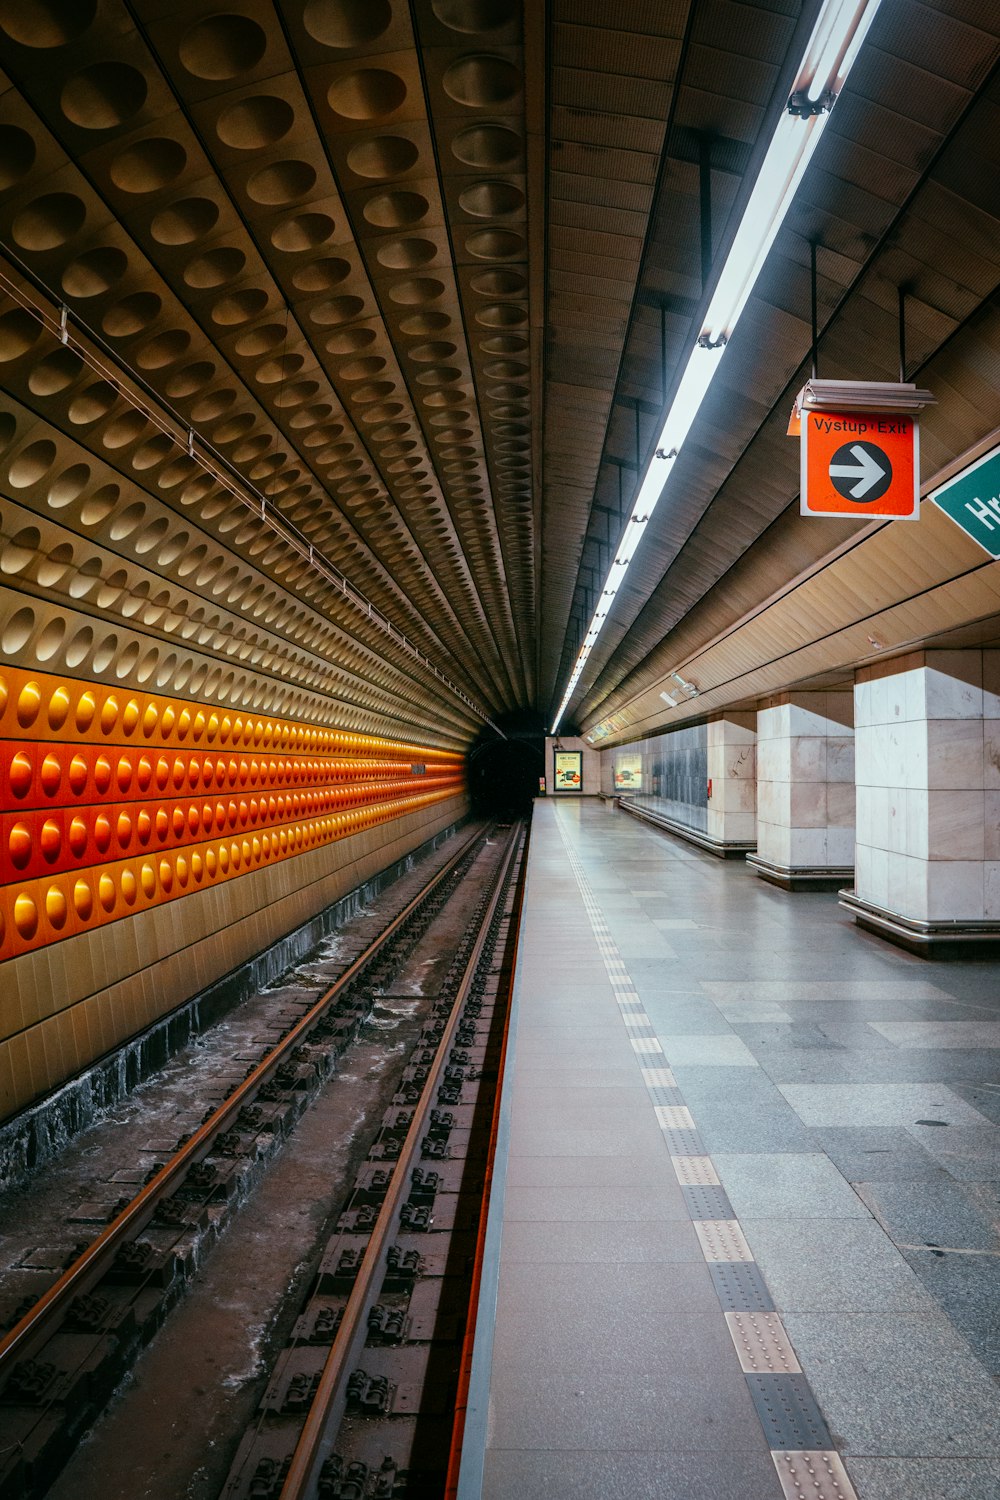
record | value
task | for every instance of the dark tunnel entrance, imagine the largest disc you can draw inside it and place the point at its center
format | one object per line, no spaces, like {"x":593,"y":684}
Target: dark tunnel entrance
{"x":504,"y":773}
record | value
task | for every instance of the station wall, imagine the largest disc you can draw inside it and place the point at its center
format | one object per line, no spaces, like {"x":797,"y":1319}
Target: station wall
{"x":668,"y":773}
{"x":150,"y":844}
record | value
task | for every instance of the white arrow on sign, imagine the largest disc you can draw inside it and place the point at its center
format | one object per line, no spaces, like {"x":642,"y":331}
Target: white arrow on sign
{"x":868,"y":472}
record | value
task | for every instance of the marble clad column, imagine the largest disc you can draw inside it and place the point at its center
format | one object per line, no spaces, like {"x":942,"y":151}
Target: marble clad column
{"x":732,"y":772}
{"x":928,"y":799}
{"x":805,"y":790}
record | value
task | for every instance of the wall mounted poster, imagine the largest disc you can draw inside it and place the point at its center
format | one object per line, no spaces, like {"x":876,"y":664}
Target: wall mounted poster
{"x":569,"y":770}
{"x":628,"y":773}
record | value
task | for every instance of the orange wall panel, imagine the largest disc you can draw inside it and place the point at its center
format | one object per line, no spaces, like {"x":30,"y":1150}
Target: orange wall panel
{"x":114,"y":802}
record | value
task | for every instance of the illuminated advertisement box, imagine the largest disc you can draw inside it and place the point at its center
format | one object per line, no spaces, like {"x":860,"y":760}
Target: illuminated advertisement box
{"x":569,"y":770}
{"x":628,"y":773}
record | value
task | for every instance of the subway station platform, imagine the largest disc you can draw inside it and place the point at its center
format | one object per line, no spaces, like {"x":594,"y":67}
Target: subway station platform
{"x":743,"y":1242}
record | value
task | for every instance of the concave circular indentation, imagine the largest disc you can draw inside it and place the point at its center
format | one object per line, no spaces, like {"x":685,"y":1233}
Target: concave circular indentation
{"x":304,"y":232}
{"x":148,"y":165}
{"x":346,"y":23}
{"x":439,"y":375}
{"x":495,"y":244}
{"x":46,"y":23}
{"x":487,"y":146}
{"x":385,"y":156}
{"x":68,"y":486}
{"x":281,"y":182}
{"x":272,"y":371}
{"x":215,"y":267}
{"x":163,"y":350}
{"x":32,"y":463}
{"x":254,"y":123}
{"x":426,"y":354}
{"x":498,"y":283}
{"x":406,"y":255}
{"x":188,"y":219}
{"x":222,"y":47}
{"x":131,"y":314}
{"x":260,"y":340}
{"x":350,"y":341}
{"x":506,"y":369}
{"x":49,"y":221}
{"x":55,"y":372}
{"x":419,"y":325}
{"x":93,"y":403}
{"x":234,"y":429}
{"x":240,"y":307}
{"x":320,"y":275}
{"x":501,"y":315}
{"x":104,"y":95}
{"x":335,"y":310}
{"x":362,"y":369}
{"x":189,"y":381}
{"x":474,"y":15}
{"x":416,"y":291}
{"x":368,"y":94}
{"x":17,"y":155}
{"x":481,"y":81}
{"x":505,"y":344}
{"x":94,"y":272}
{"x":486,"y":200}
{"x":395,"y":210}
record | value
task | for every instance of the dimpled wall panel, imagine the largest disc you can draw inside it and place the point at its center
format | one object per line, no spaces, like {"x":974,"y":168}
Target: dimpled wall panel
{"x":117,"y":804}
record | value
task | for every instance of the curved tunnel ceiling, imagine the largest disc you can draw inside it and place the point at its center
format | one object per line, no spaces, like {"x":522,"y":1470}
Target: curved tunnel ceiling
{"x":332,"y":331}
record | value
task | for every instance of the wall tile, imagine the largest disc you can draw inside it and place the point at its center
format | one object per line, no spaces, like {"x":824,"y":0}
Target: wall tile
{"x":955,"y":890}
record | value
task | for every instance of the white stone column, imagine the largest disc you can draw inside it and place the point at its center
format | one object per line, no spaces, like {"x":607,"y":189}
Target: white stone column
{"x":928,"y":799}
{"x":805,"y":790}
{"x":732,"y":772}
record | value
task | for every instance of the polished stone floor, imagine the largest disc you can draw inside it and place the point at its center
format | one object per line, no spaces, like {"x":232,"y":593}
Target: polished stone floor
{"x":847,"y":1098}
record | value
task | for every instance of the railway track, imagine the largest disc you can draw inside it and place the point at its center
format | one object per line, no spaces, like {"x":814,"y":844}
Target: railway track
{"x":361,"y":1404}
{"x":65,"y":1355}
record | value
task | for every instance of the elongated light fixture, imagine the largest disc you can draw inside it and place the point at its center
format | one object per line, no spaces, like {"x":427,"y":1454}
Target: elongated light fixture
{"x":836,"y":39}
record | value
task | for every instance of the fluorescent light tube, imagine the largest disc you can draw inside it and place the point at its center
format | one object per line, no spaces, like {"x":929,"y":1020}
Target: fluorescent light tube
{"x":836,"y":39}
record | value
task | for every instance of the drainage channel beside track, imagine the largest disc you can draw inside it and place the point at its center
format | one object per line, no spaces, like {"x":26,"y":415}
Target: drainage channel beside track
{"x":63,"y":1356}
{"x":361,"y":1403}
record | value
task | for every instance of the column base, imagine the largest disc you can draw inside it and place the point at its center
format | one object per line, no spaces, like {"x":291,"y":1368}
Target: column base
{"x":941,"y":939}
{"x":801,"y":877}
{"x":721,"y":848}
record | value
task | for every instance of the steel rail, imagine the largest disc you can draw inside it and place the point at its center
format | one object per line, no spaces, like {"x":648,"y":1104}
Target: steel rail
{"x":39,"y":1323}
{"x":329,"y":1404}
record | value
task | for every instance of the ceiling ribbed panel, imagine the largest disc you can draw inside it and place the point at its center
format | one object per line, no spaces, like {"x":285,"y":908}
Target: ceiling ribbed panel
{"x":613,"y":69}
{"x":944,"y":247}
{"x":853,"y":202}
{"x":372,"y":309}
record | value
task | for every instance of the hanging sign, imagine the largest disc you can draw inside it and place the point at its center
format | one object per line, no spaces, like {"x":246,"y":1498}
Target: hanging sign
{"x":860,"y":464}
{"x":972,"y":500}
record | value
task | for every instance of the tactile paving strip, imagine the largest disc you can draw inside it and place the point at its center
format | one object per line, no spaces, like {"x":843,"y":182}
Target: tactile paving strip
{"x":762,"y":1344}
{"x":658,"y":1078}
{"x":705,"y":1201}
{"x":691,"y":1169}
{"x":683,"y":1142}
{"x":665,"y":1096}
{"x":740,"y":1287}
{"x":722,"y":1239}
{"x":789,"y":1412}
{"x":813,"y":1476}
{"x":674,"y":1116}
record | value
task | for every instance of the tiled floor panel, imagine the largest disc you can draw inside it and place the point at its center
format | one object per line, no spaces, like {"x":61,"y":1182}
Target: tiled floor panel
{"x":726,"y":1100}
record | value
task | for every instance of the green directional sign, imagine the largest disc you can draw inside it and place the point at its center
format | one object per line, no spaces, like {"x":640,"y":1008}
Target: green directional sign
{"x":972,"y":499}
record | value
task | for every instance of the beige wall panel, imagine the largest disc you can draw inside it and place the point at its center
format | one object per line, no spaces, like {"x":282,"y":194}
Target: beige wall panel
{"x":65,"y":1005}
